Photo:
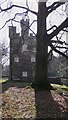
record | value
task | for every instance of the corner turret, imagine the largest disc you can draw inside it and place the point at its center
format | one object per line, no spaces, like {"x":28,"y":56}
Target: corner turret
{"x":24,"y":27}
{"x":12,"y":32}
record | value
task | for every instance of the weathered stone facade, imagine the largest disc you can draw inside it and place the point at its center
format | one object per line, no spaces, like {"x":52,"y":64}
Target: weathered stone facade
{"x":23,"y":56}
{"x":22,"y":52}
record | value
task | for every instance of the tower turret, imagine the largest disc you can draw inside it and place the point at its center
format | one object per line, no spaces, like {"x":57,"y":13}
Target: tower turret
{"x":24,"y":27}
{"x":12,"y":32}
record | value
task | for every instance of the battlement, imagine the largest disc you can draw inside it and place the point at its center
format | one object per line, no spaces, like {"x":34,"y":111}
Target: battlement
{"x":24,"y":27}
{"x":12,"y":31}
{"x":24,"y":22}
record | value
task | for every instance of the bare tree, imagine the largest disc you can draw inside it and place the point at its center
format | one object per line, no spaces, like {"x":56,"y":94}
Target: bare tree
{"x":0,"y":62}
{"x":44,"y":38}
{"x":5,"y":54}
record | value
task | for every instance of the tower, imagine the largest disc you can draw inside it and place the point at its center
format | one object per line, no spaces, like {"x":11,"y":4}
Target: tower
{"x":15,"y":53}
{"x":24,"y":27}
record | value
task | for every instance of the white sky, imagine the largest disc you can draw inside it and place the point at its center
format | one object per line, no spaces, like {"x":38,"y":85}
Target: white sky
{"x":33,"y":6}
{"x":4,"y":33}
{"x":5,"y":16}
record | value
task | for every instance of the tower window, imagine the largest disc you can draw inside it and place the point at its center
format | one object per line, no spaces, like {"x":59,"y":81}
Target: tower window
{"x":34,"y":49}
{"x":33,"y":59}
{"x":33,"y":74}
{"x":16,"y":59}
{"x":24,"y":74}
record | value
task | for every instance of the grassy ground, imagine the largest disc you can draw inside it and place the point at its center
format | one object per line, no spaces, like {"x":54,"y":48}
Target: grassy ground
{"x":6,"y":84}
{"x":3,"y":80}
{"x":19,"y":100}
{"x":60,"y":88}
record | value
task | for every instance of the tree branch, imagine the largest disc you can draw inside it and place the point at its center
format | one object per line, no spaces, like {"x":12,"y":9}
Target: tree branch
{"x":65,"y":30}
{"x":50,"y":54}
{"x":58,"y":29}
{"x":13,"y":19}
{"x":54,"y":6}
{"x":53,"y":48}
{"x":54,"y":26}
{"x":61,"y":47}
{"x":35,"y":13}
{"x":59,"y":42}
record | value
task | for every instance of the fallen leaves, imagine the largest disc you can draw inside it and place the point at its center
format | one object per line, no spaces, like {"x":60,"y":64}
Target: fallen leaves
{"x":27,"y":103}
{"x":17,"y":103}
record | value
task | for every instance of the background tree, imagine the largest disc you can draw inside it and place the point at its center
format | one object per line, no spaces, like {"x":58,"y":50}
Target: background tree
{"x":44,"y":38}
{"x":5,"y":53}
{"x":5,"y":59}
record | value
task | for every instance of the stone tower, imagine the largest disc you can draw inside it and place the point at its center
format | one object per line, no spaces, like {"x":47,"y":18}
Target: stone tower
{"x":24,"y":27}
{"x":15,"y":52}
{"x":22,"y":53}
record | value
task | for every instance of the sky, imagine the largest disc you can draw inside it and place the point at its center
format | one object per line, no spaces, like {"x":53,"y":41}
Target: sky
{"x":4,"y":33}
{"x":5,"y":16}
{"x":33,"y":5}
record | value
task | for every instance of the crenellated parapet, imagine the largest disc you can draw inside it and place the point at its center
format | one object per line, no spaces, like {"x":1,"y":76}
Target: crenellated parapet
{"x":24,"y":27}
{"x":12,"y":32}
{"x":22,"y":52}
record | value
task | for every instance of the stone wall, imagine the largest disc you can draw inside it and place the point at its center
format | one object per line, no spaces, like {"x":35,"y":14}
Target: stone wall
{"x":23,"y":53}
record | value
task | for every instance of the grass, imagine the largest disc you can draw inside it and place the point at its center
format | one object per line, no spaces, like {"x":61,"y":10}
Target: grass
{"x":3,"y":80}
{"x":7,"y":83}
{"x":60,"y":88}
{"x":20,"y":102}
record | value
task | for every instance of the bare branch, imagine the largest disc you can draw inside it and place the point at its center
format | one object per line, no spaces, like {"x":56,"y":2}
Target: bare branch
{"x":61,"y":53}
{"x":6,"y":23}
{"x":59,"y":42}
{"x":3,"y":63}
{"x":54,"y":6}
{"x":61,"y":35}
{"x":26,"y":26}
{"x":55,"y":41}
{"x":3,"y":2}
{"x":27,"y":4}
{"x":58,"y":29}
{"x":13,"y":19}
{"x":62,"y":47}
{"x":54,"y":26}
{"x":50,"y":54}
{"x":17,"y":6}
{"x":65,"y":30}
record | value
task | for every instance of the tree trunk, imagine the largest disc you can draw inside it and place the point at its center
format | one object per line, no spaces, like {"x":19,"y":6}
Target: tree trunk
{"x":41,"y":80}
{"x":10,"y":66}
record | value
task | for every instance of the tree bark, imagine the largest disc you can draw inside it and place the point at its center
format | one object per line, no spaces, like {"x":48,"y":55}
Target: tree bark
{"x":10,"y":66}
{"x":41,"y":80}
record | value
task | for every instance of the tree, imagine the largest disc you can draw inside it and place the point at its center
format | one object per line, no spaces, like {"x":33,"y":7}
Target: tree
{"x":42,"y":48}
{"x":5,"y":54}
{"x":44,"y":39}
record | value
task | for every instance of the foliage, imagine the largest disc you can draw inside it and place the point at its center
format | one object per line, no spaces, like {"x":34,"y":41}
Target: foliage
{"x":2,"y":80}
{"x":60,"y":88}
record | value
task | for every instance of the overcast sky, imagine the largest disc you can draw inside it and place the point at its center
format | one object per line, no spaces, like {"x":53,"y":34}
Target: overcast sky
{"x":33,"y":6}
{"x":5,"y":16}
